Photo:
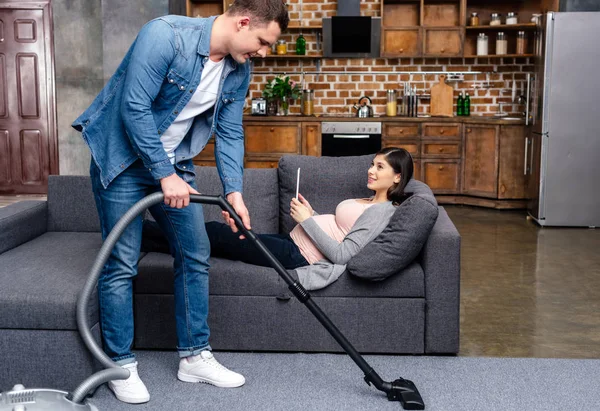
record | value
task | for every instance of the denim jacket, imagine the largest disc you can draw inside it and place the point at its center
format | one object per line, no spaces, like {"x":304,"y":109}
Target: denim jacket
{"x":156,"y":79}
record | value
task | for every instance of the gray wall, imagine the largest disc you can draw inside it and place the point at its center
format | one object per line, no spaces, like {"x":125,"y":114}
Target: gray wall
{"x":90,"y":39}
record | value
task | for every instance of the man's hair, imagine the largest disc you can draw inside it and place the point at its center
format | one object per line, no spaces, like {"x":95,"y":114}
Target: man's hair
{"x":264,"y":11}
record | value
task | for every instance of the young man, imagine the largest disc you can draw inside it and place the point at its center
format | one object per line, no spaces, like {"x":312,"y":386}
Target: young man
{"x":183,"y":80}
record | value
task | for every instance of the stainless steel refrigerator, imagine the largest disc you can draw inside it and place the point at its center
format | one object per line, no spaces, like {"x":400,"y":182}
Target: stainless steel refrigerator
{"x":563,"y":149}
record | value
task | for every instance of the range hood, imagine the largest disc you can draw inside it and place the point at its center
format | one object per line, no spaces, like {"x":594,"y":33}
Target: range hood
{"x":350,"y":35}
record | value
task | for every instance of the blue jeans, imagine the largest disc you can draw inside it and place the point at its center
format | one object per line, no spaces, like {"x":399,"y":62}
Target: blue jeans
{"x":227,"y":244}
{"x":189,"y":245}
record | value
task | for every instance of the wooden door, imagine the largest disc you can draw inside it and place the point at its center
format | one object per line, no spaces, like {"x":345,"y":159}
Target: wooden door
{"x":28,"y":141}
{"x":481,"y":161}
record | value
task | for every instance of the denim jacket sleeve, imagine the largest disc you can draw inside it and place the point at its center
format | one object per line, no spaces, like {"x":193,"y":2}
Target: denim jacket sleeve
{"x":229,"y":140}
{"x":151,"y":57}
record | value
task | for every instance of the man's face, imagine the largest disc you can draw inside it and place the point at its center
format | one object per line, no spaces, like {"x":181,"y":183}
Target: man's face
{"x":252,"y":39}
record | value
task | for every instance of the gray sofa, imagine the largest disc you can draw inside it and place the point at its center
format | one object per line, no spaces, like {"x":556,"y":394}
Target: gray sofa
{"x":47,"y":248}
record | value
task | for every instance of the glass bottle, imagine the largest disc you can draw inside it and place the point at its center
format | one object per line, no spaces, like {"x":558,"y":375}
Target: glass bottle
{"x":474,"y":20}
{"x":512,"y":18}
{"x":460,"y":105}
{"x":467,"y":105}
{"x":300,"y":45}
{"x":495,"y":21}
{"x":391,"y":108}
{"x":501,"y":44}
{"x":281,"y":47}
{"x":521,"y":43}
{"x":308,"y":102}
{"x":482,"y":45}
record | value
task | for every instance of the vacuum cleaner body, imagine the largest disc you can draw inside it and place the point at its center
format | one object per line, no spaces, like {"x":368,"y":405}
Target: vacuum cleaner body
{"x":39,"y":399}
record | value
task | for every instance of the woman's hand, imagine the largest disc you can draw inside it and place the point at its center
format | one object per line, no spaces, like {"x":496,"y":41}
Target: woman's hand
{"x":306,"y":204}
{"x":299,"y":211}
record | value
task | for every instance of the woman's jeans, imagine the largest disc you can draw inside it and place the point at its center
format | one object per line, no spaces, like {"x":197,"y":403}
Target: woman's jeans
{"x":189,"y":245}
{"x":227,"y":244}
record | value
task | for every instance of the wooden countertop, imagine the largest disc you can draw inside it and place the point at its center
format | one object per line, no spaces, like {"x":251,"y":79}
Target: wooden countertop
{"x":320,"y":118}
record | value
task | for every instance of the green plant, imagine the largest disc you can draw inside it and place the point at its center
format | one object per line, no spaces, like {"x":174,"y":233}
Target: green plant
{"x":282,"y":88}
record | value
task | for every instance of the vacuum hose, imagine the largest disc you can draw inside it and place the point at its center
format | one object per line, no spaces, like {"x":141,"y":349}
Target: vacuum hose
{"x":112,"y":370}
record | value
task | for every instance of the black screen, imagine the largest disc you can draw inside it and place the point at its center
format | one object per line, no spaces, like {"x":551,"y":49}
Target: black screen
{"x":350,"y":34}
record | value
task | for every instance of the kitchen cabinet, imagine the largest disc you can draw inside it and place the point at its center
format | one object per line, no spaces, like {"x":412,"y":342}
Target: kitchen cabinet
{"x":512,"y":180}
{"x":481,"y":160}
{"x":463,"y":160}
{"x":443,"y":42}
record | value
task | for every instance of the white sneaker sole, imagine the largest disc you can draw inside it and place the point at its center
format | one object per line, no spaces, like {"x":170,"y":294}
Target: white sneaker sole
{"x":129,"y":400}
{"x":193,"y":378}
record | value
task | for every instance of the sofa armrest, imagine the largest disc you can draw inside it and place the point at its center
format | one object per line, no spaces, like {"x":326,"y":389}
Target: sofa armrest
{"x":441,"y":264}
{"x":21,"y":222}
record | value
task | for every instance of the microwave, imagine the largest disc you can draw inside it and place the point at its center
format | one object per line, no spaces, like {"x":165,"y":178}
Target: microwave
{"x":351,"y":37}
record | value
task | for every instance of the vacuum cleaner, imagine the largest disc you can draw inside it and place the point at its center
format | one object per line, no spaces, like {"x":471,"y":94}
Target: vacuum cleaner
{"x":40,"y":399}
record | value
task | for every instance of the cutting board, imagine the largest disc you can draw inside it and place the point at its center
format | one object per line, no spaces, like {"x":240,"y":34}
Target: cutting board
{"x":442,"y":98}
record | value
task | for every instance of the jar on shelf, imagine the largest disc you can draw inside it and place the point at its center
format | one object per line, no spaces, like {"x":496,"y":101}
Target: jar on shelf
{"x":308,"y":102}
{"x":536,"y":18}
{"x":495,"y":19}
{"x":501,"y":44}
{"x":512,"y":18}
{"x":281,"y":47}
{"x":521,"y":43}
{"x":482,"y":44}
{"x":391,"y":108}
{"x":474,"y":19}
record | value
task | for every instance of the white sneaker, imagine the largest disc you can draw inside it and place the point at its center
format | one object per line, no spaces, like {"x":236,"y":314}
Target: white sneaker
{"x":204,"y":367}
{"x":132,"y":390}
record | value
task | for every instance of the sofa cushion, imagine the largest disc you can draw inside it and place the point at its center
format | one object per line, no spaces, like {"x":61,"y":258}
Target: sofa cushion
{"x":261,"y":196}
{"x":236,"y":278}
{"x":40,"y":281}
{"x":324,"y":182}
{"x":400,"y":242}
{"x":71,"y":205}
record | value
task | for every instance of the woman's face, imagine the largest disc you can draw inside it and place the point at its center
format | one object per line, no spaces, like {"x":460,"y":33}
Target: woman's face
{"x":381,"y":175}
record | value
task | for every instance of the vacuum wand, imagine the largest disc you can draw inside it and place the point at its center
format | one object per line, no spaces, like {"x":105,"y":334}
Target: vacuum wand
{"x":401,"y":390}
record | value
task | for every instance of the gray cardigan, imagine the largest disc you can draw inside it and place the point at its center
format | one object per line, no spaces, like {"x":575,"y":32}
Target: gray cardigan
{"x":324,"y":272}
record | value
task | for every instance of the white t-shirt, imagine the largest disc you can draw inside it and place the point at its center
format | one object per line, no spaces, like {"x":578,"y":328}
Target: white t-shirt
{"x":204,"y":98}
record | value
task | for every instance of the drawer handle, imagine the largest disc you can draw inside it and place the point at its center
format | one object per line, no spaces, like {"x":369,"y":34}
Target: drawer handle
{"x":441,"y":167}
{"x":401,"y":131}
{"x":272,"y":129}
{"x":443,"y":49}
{"x":442,"y":131}
{"x":468,"y":130}
{"x":441,"y":149}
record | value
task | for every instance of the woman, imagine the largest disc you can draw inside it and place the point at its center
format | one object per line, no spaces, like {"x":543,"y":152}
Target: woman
{"x":320,"y":245}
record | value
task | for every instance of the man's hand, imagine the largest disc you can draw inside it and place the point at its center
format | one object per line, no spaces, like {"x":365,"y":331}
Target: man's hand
{"x":299,"y":211}
{"x":237,"y":202}
{"x":176,"y":191}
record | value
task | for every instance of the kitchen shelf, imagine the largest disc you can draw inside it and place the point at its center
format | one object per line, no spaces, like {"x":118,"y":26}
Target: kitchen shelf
{"x":492,"y":56}
{"x":505,"y":27}
{"x":299,"y":27}
{"x":293,"y":56}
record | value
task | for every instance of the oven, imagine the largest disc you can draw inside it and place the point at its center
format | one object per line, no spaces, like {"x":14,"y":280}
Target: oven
{"x":352,"y":138}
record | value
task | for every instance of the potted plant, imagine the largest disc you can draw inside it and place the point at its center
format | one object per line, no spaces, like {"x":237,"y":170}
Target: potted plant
{"x":281,"y":90}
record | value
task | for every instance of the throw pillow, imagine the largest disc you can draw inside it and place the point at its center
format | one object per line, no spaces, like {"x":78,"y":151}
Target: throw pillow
{"x":400,"y":242}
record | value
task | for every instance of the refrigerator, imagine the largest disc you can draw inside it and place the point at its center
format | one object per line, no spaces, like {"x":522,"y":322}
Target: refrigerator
{"x":563,"y":148}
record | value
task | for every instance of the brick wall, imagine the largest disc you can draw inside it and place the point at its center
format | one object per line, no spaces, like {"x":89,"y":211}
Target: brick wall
{"x":336,"y":93}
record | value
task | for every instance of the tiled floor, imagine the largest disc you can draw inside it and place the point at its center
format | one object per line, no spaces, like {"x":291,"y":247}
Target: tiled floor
{"x":526,"y":291}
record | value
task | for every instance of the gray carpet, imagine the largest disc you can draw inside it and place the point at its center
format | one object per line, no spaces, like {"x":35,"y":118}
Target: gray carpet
{"x":333,"y":382}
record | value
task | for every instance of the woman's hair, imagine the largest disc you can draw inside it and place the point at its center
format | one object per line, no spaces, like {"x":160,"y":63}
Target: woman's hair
{"x":265,"y":11}
{"x":401,"y":162}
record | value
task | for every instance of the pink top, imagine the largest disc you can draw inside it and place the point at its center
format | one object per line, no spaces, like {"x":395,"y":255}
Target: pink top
{"x":335,"y":226}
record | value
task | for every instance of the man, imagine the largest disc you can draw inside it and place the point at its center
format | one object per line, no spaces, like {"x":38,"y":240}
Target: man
{"x":183,"y":80}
